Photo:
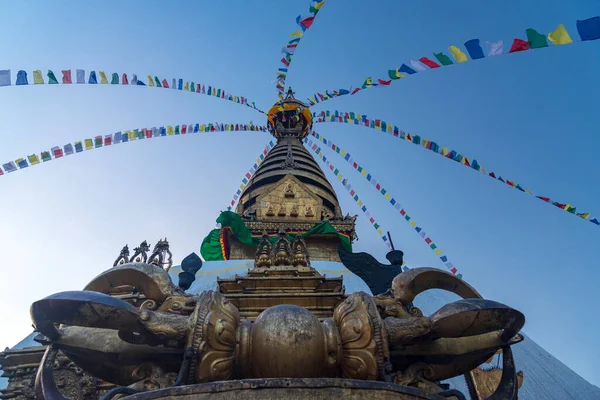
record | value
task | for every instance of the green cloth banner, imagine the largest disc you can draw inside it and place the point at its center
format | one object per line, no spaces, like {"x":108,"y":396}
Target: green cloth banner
{"x":211,"y":245}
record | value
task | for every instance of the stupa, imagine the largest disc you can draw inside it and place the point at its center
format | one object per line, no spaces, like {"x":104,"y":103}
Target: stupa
{"x":261,"y":317}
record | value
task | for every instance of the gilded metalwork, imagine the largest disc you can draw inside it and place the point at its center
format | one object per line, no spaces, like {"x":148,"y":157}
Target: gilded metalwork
{"x":123,"y":256}
{"x":161,"y":255}
{"x":140,"y":253}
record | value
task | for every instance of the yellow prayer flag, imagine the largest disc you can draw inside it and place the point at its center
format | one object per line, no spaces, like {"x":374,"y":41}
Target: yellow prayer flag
{"x":242,"y":186}
{"x":132,"y":136}
{"x":169,"y":130}
{"x":33,"y":159}
{"x":438,"y":252}
{"x":103,"y":79}
{"x":445,"y":151}
{"x":389,"y":128}
{"x":364,"y":172}
{"x":458,"y":54}
{"x":38,"y":79}
{"x":380,"y":232}
{"x":387,"y":196}
{"x":187,"y":86}
{"x":584,"y":215}
{"x":89,"y":144}
{"x":360,"y":203}
{"x":343,"y":153}
{"x":202,"y":127}
{"x":340,"y":177}
{"x":413,"y":223}
{"x":297,"y":34}
{"x":258,"y":161}
{"x":560,"y":36}
{"x":150,"y":81}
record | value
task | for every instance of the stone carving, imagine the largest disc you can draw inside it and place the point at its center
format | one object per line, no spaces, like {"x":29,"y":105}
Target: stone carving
{"x":281,"y":252}
{"x":123,"y":256}
{"x":289,"y":191}
{"x":282,"y":212}
{"x":358,"y":344}
{"x":270,"y":211}
{"x":309,"y":212}
{"x":161,"y":255}
{"x":263,"y":253}
{"x":140,"y":254}
{"x":301,"y":256}
{"x":294,"y":211}
{"x":213,"y":338}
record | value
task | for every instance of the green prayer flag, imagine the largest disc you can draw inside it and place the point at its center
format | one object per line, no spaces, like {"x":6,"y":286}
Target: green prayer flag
{"x":535,"y":39}
{"x":571,"y":209}
{"x":359,"y":168}
{"x":416,"y":139}
{"x":393,"y":74}
{"x":98,"y":142}
{"x":177,"y":130}
{"x":376,"y":225}
{"x":51,"y":78}
{"x":443,"y":59}
{"x":433,"y":246}
{"x":46,"y":156}
{"x":355,"y":197}
{"x":157,"y":82}
{"x":383,"y":191}
{"x":115,"y":79}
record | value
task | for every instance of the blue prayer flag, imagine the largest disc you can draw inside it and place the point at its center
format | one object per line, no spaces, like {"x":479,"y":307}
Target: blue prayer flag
{"x":92,"y":79}
{"x":406,"y":69}
{"x":474,"y":49}
{"x":22,"y":78}
{"x":589,"y":29}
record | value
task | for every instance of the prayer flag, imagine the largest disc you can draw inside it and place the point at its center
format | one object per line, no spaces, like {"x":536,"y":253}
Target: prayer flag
{"x":187,"y":86}
{"x":5,"y":77}
{"x":519,"y":45}
{"x":406,"y":69}
{"x":22,"y":163}
{"x":80,"y":75}
{"x":57,"y":152}
{"x":589,"y":29}
{"x":165,"y":84}
{"x":107,"y":140}
{"x":474,"y":49}
{"x":51,"y":78}
{"x":536,"y":40}
{"x":150,"y":81}
{"x":22,"y":78}
{"x":92,"y":79}
{"x":560,"y":35}
{"x":459,"y":56}
{"x":417,"y":65}
{"x":285,"y":62}
{"x":115,"y":79}
{"x":124,"y":80}
{"x":33,"y":159}
{"x":157,"y":82}
{"x":443,"y":59}
{"x":78,"y":147}
{"x":46,"y":156}
{"x":10,"y":167}
{"x":68,"y":149}
{"x":117,"y":137}
{"x":98,"y":141}
{"x":297,"y":34}
{"x":66,"y":79}
{"x":307,"y":22}
{"x":581,"y":215}
{"x":385,"y":83}
{"x":103,"y":78}
{"x":89,"y":144}
{"x":38,"y":79}
{"x":429,"y":63}
{"x":367,"y":84}
{"x":494,"y":48}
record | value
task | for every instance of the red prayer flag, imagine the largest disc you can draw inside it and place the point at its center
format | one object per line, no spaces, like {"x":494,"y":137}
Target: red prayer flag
{"x":509,"y":183}
{"x":66,"y":76}
{"x":372,"y":220}
{"x":1,"y":172}
{"x":285,"y":62}
{"x":355,"y":91}
{"x":352,"y":192}
{"x":307,"y":22}
{"x":453,"y":270}
{"x":184,"y":129}
{"x":378,"y":186}
{"x":519,"y":45}
{"x":408,"y":137}
{"x":198,"y":88}
{"x":248,"y":175}
{"x":165,"y":84}
{"x":107,"y":140}
{"x":355,"y":165}
{"x":429,"y":63}
{"x":402,"y":212}
{"x":124,"y":80}
{"x":428,"y":241}
{"x":321,"y":96}
{"x":385,"y":83}
{"x":58,"y":153}
{"x":493,"y":175}
{"x":467,"y":162}
{"x":546,"y":199}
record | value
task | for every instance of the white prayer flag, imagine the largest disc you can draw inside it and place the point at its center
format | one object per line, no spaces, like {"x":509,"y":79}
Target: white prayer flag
{"x":494,"y":48}
{"x":80,"y":73}
{"x":418,"y":65}
{"x":5,"y":77}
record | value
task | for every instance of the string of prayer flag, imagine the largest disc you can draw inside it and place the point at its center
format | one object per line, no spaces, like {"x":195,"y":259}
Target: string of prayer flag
{"x":363,"y":120}
{"x":248,"y":176}
{"x":121,"y":137}
{"x":22,"y":79}
{"x":317,"y":151}
{"x":388,"y":196}
{"x":303,"y":22}
{"x":588,"y":29}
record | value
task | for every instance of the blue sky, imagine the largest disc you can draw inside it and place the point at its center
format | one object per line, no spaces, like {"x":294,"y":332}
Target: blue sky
{"x":531,"y":117}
